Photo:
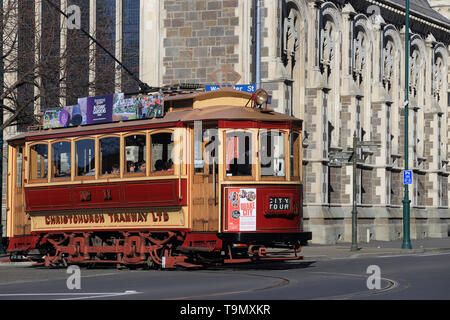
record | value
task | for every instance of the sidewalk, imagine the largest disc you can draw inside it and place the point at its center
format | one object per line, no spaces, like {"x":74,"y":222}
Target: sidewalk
{"x":318,"y":252}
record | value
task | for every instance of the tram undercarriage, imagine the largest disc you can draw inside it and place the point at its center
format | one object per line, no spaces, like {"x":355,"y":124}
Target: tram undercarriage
{"x":151,"y":250}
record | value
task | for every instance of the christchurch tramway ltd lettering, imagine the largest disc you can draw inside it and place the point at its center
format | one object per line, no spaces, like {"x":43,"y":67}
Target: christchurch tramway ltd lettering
{"x":113,"y":218}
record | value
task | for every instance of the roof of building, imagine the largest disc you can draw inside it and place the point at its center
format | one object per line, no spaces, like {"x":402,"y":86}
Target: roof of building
{"x":420,"y":8}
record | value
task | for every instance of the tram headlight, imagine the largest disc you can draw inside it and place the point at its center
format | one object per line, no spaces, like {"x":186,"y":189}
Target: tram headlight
{"x":260,"y":97}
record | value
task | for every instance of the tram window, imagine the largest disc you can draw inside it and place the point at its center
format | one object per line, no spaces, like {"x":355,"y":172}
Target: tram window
{"x":272,"y":154}
{"x":19,"y":164}
{"x":135,"y":153}
{"x":61,"y":157}
{"x":238,"y":154}
{"x":294,"y":156}
{"x":85,"y":157}
{"x":38,"y":161}
{"x":162,"y":145}
{"x":110,"y":155}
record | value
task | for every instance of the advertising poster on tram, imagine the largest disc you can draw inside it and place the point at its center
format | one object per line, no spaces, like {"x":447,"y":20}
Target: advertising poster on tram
{"x":241,"y":209}
{"x":104,"y":109}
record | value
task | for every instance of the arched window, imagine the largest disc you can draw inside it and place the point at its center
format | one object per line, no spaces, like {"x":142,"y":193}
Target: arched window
{"x":136,"y":154}
{"x":85,"y":157}
{"x":61,"y":159}
{"x":238,"y":154}
{"x":161,"y":153}
{"x":110,"y":156}
{"x":272,"y":153}
{"x":39,"y":161}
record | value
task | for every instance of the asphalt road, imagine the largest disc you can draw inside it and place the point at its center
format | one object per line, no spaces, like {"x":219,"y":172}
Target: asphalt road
{"x":415,"y":276}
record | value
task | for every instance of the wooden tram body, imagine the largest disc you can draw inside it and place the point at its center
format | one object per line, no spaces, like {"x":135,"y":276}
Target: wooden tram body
{"x":192,"y":204}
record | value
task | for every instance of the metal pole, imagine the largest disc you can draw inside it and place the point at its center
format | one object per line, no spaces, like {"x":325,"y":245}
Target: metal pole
{"x":406,"y":202}
{"x":354,"y":211}
{"x":258,"y":44}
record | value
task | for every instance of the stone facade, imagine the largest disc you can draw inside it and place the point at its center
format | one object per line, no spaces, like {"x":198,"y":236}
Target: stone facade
{"x":339,"y":66}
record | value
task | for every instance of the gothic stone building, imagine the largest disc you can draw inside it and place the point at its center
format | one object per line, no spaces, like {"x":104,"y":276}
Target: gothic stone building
{"x":339,"y":66}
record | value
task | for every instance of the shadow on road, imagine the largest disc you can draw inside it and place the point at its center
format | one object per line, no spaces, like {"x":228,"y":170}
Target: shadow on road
{"x":265,"y":265}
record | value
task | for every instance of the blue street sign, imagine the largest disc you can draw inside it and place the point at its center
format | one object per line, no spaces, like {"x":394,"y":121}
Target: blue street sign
{"x":407,"y":177}
{"x":239,"y":87}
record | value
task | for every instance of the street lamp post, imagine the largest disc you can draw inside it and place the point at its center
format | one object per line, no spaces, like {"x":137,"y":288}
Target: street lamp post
{"x":406,"y":202}
{"x":354,"y":210}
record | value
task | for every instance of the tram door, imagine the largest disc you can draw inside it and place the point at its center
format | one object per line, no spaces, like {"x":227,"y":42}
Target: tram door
{"x":21,"y":223}
{"x":205,"y":196}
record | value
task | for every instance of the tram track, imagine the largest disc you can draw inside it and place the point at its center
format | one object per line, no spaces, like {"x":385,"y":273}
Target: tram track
{"x":282,"y":282}
{"x":391,"y":285}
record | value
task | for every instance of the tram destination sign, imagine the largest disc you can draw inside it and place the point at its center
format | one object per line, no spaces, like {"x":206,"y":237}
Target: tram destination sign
{"x":279,"y":203}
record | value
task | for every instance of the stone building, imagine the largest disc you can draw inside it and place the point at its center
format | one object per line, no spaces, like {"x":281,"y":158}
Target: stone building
{"x":339,"y":66}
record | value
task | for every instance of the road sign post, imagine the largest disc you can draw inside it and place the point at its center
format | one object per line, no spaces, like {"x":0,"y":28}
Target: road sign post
{"x":343,"y":158}
{"x":406,"y":202}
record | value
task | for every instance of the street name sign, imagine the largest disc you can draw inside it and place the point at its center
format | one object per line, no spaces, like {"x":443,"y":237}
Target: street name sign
{"x":239,"y":87}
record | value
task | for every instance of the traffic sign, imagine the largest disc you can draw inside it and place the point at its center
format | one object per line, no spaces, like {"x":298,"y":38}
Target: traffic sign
{"x":407,"y":176}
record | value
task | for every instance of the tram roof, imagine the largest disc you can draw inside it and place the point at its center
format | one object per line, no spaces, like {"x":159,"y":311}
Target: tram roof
{"x":172,"y":118}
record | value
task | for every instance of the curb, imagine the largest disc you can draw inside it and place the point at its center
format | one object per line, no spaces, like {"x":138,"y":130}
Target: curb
{"x":373,"y":254}
{"x":11,"y":264}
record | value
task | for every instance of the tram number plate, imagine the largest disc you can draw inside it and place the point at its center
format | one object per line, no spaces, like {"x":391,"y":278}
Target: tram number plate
{"x":279,"y":203}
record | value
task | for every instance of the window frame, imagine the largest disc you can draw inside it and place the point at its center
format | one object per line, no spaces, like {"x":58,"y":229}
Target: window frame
{"x":20,"y":174}
{"x":52,"y":177}
{"x":300,"y":156}
{"x":286,"y":157}
{"x":28,"y":148}
{"x":149,"y":166}
{"x":99,"y":174}
{"x":96,"y":147}
{"x":254,"y":159}
{"x":147,"y":152}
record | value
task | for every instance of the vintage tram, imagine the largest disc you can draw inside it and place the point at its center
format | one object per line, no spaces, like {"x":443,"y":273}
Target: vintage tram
{"x":216,"y":180}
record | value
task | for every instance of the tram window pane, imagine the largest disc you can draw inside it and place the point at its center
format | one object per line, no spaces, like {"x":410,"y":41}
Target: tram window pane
{"x":110,"y":155}
{"x":238,"y":154}
{"x":272,"y":154}
{"x":162,"y":145}
{"x":38,"y":161}
{"x":85,"y":157}
{"x":61,"y":156}
{"x":19,"y":164}
{"x":294,"y":156}
{"x":135,"y":153}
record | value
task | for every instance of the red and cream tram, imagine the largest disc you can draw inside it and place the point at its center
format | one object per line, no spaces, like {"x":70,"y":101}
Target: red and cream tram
{"x":215,"y":180}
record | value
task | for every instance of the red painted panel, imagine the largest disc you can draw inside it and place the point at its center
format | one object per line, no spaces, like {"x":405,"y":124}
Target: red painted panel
{"x":42,"y":198}
{"x":56,"y":135}
{"x":104,"y":195}
{"x":107,"y":194}
{"x":277,"y":219}
{"x":254,"y":124}
{"x":269,"y":220}
{"x":153,"y":192}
